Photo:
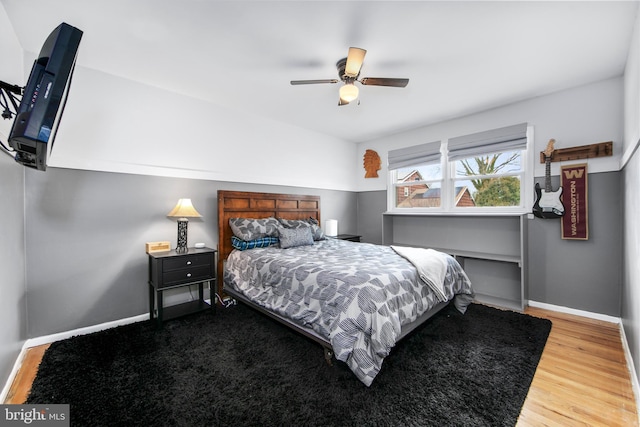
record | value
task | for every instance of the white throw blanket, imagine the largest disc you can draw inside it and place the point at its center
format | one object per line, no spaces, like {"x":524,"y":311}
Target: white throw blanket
{"x":431,"y":266}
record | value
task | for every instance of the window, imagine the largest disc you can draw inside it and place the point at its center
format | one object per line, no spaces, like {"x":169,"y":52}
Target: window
{"x":418,"y":186}
{"x":489,"y":180}
{"x":483,"y":172}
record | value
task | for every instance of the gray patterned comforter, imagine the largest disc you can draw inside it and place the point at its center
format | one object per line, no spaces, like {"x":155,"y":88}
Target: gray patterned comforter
{"x":357,"y":295}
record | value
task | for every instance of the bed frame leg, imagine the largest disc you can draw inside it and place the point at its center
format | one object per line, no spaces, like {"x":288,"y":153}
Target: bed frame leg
{"x":328,"y":356}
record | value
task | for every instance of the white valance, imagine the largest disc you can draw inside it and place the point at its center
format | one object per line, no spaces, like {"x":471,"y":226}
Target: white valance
{"x":493,"y":141}
{"x":414,"y":155}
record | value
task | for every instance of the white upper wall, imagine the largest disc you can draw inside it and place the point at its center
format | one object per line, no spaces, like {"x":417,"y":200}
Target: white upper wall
{"x":117,"y":125}
{"x":583,"y":115}
{"x":10,"y":64}
{"x":632,"y":94}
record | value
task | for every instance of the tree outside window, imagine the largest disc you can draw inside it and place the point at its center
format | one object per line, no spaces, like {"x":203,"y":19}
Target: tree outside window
{"x":495,"y":178}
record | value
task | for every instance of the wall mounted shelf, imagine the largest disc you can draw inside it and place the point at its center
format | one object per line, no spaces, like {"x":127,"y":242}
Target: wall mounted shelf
{"x":601,"y":149}
{"x":491,"y":249}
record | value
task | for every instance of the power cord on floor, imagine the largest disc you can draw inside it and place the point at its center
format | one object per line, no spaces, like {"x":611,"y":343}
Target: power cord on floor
{"x":227,"y":302}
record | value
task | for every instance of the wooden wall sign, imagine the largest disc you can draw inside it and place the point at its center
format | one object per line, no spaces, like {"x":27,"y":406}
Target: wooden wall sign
{"x":575,"y":222}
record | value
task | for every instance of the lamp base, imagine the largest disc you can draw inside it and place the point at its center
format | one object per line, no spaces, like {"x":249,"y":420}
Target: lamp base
{"x":182,"y":235}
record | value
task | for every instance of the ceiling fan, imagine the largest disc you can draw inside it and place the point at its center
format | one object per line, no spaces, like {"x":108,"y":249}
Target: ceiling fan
{"x":349,"y":71}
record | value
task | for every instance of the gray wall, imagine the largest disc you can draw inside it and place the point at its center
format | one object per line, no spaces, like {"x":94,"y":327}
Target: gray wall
{"x":85,"y":236}
{"x":371,"y":205}
{"x":631,"y":290}
{"x":13,"y":314}
{"x":583,"y":275}
{"x":12,"y":276}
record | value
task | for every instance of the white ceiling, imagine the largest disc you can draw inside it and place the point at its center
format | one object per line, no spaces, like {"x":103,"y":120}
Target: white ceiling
{"x":460,"y":57}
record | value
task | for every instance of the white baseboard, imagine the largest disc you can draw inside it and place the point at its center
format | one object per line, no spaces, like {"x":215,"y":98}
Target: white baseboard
{"x":47,"y":339}
{"x":635,"y":384}
{"x":34,"y":342}
{"x":632,"y":369}
{"x":567,"y":310}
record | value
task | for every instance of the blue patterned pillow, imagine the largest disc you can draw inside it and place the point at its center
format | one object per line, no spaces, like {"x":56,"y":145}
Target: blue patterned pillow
{"x":243,"y":245}
{"x":293,"y":237}
{"x":249,"y":229}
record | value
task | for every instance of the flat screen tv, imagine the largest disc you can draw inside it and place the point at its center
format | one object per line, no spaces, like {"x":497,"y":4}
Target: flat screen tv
{"x":44,"y":97}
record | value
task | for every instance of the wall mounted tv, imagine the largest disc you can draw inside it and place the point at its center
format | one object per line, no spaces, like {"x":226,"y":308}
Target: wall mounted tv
{"x":44,"y":97}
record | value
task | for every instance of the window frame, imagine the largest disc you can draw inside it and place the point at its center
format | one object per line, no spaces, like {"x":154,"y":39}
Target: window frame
{"x":448,"y":186}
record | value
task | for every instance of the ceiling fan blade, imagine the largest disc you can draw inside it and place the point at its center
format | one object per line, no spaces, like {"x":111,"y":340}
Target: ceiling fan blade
{"x":381,"y":81}
{"x":355,"y":58}
{"x":313,"y":82}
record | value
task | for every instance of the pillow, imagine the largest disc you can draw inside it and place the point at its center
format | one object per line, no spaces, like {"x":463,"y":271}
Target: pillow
{"x":249,"y":229}
{"x":293,"y":237}
{"x":243,"y":245}
{"x":316,"y":231}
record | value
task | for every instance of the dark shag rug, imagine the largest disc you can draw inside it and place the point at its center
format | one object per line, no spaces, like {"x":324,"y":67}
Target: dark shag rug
{"x":239,"y":368}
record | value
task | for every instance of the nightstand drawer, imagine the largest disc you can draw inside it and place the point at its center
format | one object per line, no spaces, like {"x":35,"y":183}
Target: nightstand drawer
{"x":187,"y":261}
{"x":185,"y":275}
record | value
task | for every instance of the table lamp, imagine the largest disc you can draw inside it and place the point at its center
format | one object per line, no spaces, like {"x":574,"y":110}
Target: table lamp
{"x":183,"y":210}
{"x":331,"y":227}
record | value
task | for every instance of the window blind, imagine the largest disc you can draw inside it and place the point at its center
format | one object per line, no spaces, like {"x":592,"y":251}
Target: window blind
{"x":414,"y":155}
{"x":492,"y":141}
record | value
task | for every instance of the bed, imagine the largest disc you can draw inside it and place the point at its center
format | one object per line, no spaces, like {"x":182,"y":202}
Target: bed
{"x":357,"y":300}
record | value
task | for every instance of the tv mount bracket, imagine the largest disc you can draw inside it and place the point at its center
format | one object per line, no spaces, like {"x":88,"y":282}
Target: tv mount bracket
{"x":10,"y":96}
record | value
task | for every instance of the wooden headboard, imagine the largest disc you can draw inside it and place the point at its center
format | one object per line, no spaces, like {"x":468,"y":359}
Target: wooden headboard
{"x":242,"y":204}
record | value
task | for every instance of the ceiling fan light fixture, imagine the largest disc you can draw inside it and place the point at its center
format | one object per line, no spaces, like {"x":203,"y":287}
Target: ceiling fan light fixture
{"x":349,"y":73}
{"x":348,"y":92}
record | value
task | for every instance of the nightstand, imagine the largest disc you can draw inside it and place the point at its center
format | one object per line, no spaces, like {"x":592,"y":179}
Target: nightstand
{"x":350,"y":237}
{"x":170,"y":269}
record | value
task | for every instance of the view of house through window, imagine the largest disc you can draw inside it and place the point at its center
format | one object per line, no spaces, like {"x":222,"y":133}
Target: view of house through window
{"x":492,"y":180}
{"x":418,"y":187}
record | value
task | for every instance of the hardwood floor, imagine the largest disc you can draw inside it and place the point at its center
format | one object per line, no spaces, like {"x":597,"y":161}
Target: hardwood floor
{"x":22,"y":382}
{"x":581,"y":380}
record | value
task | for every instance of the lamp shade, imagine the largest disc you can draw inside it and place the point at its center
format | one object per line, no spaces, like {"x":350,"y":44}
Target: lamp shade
{"x":354,"y":61}
{"x":184,"y":209}
{"x":331,"y":227}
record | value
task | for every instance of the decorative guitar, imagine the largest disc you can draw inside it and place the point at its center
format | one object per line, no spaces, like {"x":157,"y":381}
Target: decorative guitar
{"x":548,"y":203}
